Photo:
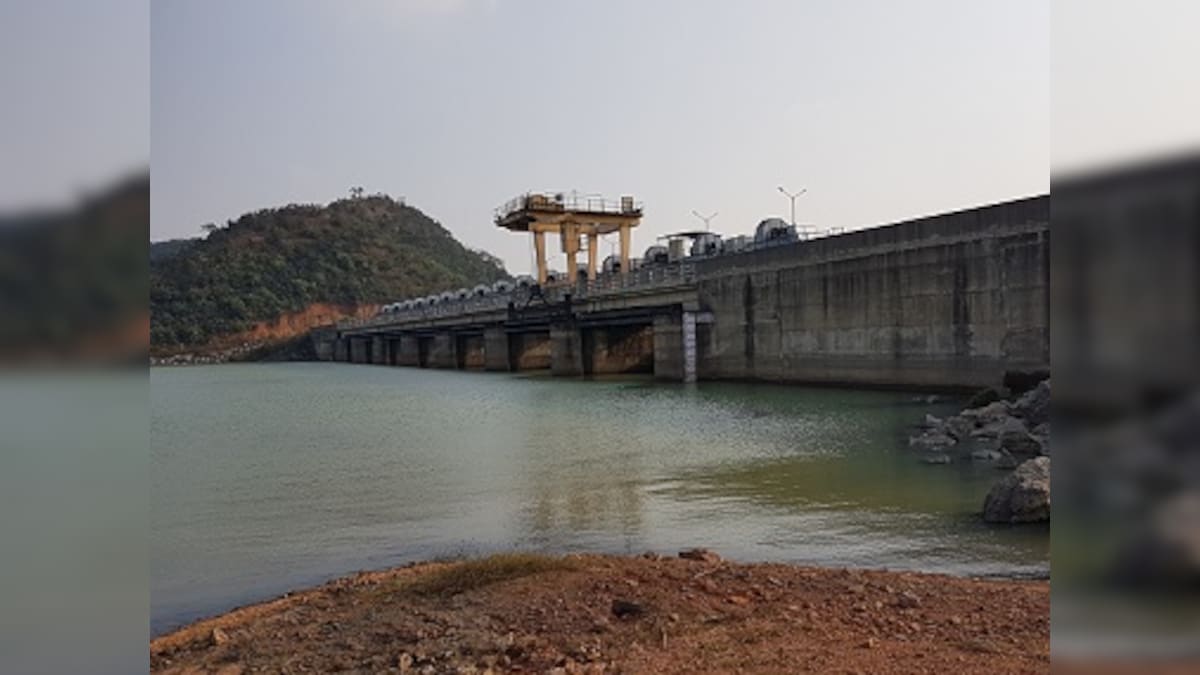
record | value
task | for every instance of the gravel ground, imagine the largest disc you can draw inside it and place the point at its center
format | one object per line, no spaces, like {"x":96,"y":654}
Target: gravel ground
{"x":648,"y":614}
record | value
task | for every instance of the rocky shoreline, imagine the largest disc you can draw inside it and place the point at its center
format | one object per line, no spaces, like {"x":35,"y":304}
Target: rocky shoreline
{"x":296,"y":349}
{"x":691,"y":613}
{"x":191,"y":359}
{"x":1009,"y":434}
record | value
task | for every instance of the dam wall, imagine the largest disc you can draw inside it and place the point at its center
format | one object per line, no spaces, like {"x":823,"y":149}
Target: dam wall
{"x":949,"y":301}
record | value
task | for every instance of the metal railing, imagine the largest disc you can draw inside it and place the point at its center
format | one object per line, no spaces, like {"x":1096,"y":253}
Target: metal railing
{"x":569,"y":201}
{"x":644,"y":278}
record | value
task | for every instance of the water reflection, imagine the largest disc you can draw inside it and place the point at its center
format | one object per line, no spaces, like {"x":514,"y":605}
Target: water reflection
{"x":578,"y":476}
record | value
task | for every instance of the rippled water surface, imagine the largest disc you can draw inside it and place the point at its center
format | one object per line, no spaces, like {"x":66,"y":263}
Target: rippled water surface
{"x":265,"y":478}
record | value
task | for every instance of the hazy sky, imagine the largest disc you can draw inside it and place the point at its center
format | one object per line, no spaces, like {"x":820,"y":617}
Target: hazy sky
{"x":74,"y":97}
{"x":1124,"y":80}
{"x":882,"y":110}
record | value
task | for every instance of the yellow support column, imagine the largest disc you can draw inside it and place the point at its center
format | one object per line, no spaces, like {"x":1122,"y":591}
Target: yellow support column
{"x":624,"y":234}
{"x":570,"y":245}
{"x":593,"y":240}
{"x":539,"y":243}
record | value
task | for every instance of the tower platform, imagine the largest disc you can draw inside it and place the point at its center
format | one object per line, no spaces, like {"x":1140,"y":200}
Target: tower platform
{"x":571,"y":216}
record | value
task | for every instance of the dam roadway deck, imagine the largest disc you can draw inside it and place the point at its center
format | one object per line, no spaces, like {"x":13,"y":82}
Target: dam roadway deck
{"x":948,"y":301}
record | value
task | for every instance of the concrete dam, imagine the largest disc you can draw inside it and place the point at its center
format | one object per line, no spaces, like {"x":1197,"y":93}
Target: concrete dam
{"x":950,"y":301}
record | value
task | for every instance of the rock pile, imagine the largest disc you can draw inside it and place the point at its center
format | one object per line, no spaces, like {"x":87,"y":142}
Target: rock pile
{"x":208,"y":357}
{"x":1013,"y":435}
{"x":1001,"y":431}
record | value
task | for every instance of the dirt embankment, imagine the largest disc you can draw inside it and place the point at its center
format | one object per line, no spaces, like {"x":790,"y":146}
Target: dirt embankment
{"x":294,"y":324}
{"x":264,"y":334}
{"x":593,"y":614}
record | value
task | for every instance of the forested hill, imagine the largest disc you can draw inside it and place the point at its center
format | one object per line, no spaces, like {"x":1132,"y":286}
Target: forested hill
{"x":274,"y":262}
{"x":161,"y":250}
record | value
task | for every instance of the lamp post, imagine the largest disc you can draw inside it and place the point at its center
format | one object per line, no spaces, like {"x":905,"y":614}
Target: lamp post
{"x":706,"y":219}
{"x":792,"y":198}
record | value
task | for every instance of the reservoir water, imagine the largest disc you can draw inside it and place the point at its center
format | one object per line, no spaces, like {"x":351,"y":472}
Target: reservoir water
{"x":270,"y":477}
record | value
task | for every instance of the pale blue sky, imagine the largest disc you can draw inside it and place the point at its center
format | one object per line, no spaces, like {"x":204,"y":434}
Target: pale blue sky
{"x":882,"y":110}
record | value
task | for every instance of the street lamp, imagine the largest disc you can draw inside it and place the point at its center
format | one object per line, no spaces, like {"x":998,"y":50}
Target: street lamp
{"x":706,"y":219}
{"x":792,"y":198}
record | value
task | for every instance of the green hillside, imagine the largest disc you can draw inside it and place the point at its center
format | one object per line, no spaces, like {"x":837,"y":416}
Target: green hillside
{"x":69,"y":276}
{"x":275,"y":261}
{"x":161,"y":250}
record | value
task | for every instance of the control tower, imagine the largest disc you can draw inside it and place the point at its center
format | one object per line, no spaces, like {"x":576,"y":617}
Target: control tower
{"x":571,"y":217}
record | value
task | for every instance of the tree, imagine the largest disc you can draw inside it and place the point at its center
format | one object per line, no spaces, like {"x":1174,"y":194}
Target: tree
{"x":356,"y":192}
{"x":488,"y":258}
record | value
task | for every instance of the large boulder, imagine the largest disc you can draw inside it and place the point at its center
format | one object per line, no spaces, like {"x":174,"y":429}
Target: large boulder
{"x":988,"y":423}
{"x":1042,"y":431}
{"x":998,"y":427}
{"x":959,"y":427}
{"x":985,"y":396}
{"x":1022,"y":496}
{"x":1020,"y":381}
{"x":992,"y":412}
{"x":1034,"y":405}
{"x":1018,"y":442}
{"x":1007,"y":462}
{"x":987,"y":420}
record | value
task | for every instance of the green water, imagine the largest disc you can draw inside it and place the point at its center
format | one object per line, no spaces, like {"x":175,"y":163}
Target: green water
{"x":265,"y":478}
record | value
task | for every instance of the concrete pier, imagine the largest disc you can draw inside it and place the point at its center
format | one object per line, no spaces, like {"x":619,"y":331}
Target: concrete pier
{"x":360,"y":349}
{"x":668,"y":347}
{"x":379,"y":355}
{"x":496,"y":350}
{"x":469,"y":350}
{"x":442,"y":351}
{"x":529,"y":351}
{"x":618,"y":349}
{"x":566,"y":349}
{"x":408,"y":351}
